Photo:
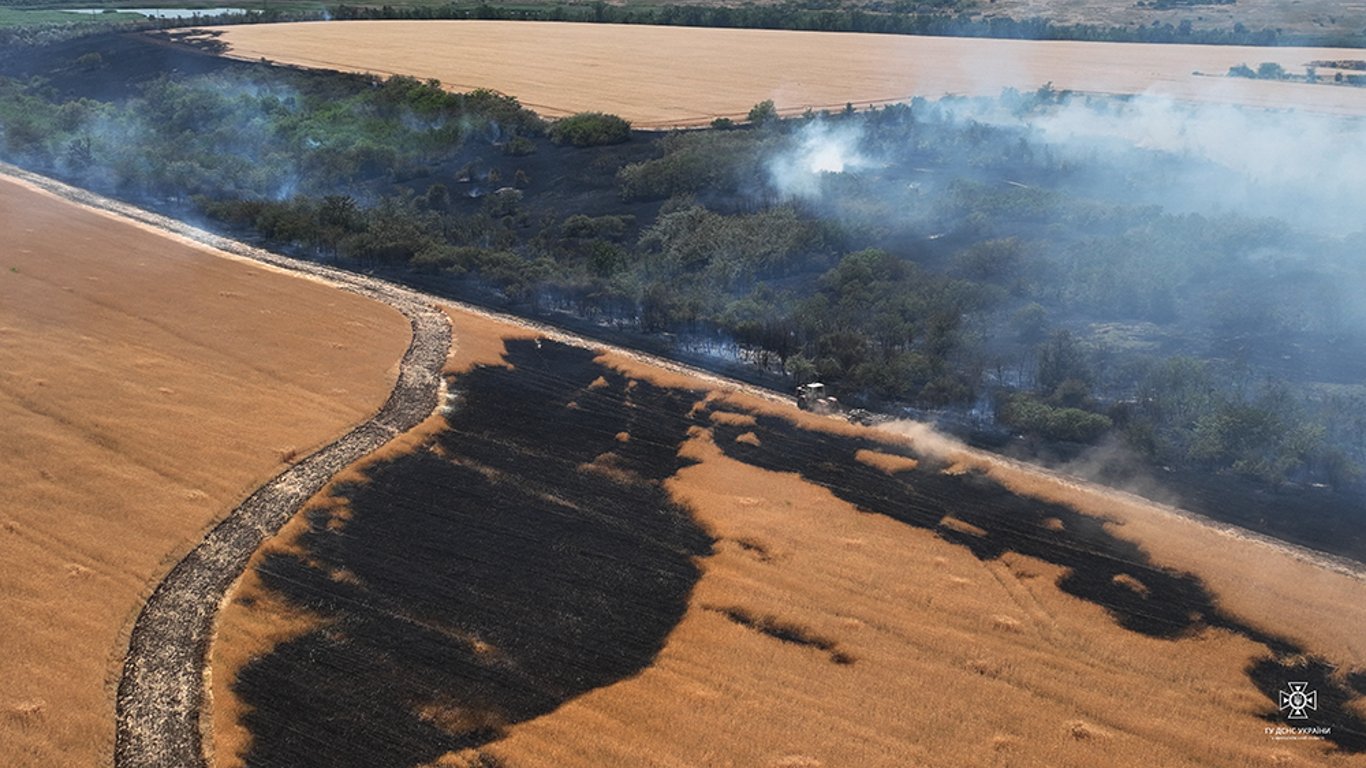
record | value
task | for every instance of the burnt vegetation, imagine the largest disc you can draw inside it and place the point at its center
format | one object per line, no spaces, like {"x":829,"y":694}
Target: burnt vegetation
{"x":524,"y":556}
{"x":528,"y":553}
{"x":1100,"y":568}
{"x":787,"y":632}
{"x":1172,"y":606}
{"x":1040,"y":298}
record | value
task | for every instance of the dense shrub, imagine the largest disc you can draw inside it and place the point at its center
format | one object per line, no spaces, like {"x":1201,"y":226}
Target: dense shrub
{"x":519,"y":146}
{"x":717,"y":162}
{"x":590,"y":129}
{"x":1070,"y":424}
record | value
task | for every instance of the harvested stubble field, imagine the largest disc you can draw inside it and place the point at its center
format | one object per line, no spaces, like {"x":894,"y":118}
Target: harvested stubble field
{"x":594,"y":561}
{"x":146,"y":386}
{"x":677,"y":76}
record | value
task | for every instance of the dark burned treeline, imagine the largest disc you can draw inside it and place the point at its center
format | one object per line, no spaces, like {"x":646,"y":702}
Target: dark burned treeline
{"x":232,"y":136}
{"x":968,"y":266}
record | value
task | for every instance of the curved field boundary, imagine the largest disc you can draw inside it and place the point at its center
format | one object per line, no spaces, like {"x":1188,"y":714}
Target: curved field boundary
{"x":161,"y":690}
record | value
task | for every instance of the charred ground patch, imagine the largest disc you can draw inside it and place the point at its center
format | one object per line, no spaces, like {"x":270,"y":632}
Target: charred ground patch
{"x":785,"y":631}
{"x":1273,"y":675}
{"x":991,"y":520}
{"x":492,"y":574}
{"x":127,"y":61}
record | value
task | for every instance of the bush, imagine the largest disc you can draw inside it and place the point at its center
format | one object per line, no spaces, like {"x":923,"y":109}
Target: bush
{"x":590,"y":129}
{"x":608,"y":227}
{"x":1030,"y":323}
{"x":1067,"y":424}
{"x":1270,"y":70}
{"x":696,"y":161}
{"x":519,"y":146}
{"x":763,"y":113}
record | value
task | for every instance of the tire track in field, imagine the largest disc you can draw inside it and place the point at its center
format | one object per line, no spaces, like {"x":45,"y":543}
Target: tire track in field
{"x":161,"y":690}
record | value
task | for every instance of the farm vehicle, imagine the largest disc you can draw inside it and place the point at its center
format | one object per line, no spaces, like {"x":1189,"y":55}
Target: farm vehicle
{"x":812,"y":397}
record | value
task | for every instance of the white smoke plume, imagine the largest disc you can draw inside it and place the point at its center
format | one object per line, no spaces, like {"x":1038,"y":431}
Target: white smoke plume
{"x":1306,"y":168}
{"x":818,"y":149}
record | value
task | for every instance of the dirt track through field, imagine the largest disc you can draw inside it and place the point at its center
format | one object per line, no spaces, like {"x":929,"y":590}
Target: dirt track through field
{"x":147,"y":385}
{"x":678,"y":76}
{"x":161,"y":691}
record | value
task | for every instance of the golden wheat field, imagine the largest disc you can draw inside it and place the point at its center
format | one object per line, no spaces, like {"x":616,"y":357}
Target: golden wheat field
{"x":146,"y":386}
{"x":676,"y":76}
{"x":915,"y":652}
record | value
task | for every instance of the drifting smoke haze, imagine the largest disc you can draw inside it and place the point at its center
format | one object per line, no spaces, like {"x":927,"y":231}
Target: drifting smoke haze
{"x":246,"y":134}
{"x":1297,"y":176}
{"x":1149,"y":229}
{"x":1306,"y":168}
{"x":820,"y":149}
{"x":928,"y":440}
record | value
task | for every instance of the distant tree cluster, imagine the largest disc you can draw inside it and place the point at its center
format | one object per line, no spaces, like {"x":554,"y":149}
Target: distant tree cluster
{"x":1267,"y":70}
{"x":1184,"y":413}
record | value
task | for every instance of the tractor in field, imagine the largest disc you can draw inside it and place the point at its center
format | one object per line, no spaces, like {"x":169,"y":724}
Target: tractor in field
{"x":812,"y":397}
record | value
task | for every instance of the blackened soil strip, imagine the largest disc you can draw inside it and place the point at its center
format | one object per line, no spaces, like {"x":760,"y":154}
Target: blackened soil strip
{"x":523,"y":556}
{"x":1101,"y":568}
{"x":162,"y":687}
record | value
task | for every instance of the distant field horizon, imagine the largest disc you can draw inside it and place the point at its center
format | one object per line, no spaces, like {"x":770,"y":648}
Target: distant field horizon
{"x":560,"y":68}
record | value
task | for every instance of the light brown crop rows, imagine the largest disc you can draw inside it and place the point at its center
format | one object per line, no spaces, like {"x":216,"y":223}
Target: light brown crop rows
{"x":665,"y":76}
{"x":146,"y":386}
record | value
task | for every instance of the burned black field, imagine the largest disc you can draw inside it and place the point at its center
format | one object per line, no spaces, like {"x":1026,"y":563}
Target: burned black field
{"x":491,"y":577}
{"x":1102,"y":569}
{"x":530,"y":553}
